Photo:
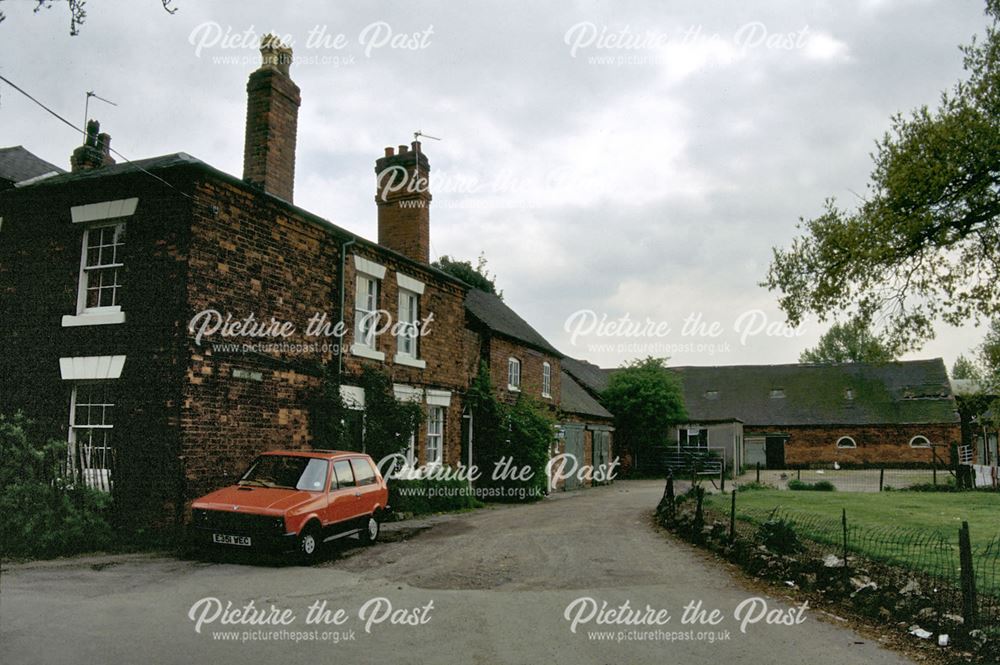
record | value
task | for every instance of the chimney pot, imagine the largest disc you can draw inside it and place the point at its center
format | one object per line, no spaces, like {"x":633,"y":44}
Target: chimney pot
{"x":95,"y":151}
{"x":389,"y":151}
{"x":404,"y":177}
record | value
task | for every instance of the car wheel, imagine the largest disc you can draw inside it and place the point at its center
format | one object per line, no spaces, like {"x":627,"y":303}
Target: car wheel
{"x":309,"y":544}
{"x":371,"y":529}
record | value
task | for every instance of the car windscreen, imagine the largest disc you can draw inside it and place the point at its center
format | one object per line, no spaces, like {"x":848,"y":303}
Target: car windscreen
{"x":288,"y":472}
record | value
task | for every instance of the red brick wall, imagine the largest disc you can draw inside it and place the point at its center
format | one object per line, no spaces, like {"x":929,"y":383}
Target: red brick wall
{"x":252,"y":255}
{"x":449,"y":349}
{"x":501,"y":349}
{"x":40,"y":251}
{"x":876,"y":444}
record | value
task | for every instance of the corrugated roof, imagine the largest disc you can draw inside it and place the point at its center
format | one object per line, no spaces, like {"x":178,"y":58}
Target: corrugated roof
{"x":493,"y":313}
{"x":17,"y":164}
{"x":573,"y":398}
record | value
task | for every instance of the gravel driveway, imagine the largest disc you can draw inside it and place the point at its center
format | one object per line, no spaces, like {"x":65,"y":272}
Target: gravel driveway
{"x":490,"y":587}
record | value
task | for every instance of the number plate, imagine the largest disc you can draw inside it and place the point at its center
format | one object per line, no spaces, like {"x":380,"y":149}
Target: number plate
{"x":224,"y":539}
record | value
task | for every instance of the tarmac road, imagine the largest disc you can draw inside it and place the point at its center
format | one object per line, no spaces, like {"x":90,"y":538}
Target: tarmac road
{"x":489,"y":587}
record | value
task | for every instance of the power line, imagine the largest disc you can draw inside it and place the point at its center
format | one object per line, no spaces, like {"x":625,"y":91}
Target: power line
{"x":84,"y":132}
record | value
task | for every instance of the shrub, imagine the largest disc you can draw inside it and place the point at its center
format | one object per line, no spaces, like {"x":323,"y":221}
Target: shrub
{"x":803,"y":486}
{"x":754,"y":486}
{"x":779,"y":536}
{"x":520,"y":436}
{"x":420,"y":496}
{"x":931,"y":487}
{"x":43,"y":514}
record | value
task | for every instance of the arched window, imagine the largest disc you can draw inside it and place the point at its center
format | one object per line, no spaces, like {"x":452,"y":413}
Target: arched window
{"x":846,"y":442}
{"x":920,"y":441}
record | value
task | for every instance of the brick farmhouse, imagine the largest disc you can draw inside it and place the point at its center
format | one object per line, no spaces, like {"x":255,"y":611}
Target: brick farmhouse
{"x":120,"y":281}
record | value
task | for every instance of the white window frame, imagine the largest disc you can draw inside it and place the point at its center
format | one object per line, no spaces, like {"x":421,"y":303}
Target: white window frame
{"x":840,"y":443}
{"x":95,"y":476}
{"x":434,"y":448}
{"x":546,"y":380}
{"x":408,"y":339}
{"x":107,"y":314}
{"x":926,"y":444}
{"x":513,"y":374}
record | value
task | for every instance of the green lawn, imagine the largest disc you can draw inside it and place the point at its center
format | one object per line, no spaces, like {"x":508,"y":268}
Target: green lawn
{"x":932,"y":511}
{"x":880,"y":519}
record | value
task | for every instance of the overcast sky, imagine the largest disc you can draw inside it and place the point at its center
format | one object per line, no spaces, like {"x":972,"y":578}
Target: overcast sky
{"x":609,"y":158}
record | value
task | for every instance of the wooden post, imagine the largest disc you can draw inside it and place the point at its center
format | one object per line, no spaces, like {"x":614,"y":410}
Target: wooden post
{"x":968,"y":575}
{"x":699,"y":513}
{"x":758,"y":472}
{"x":881,"y":478}
{"x":934,"y":469}
{"x":798,"y":474}
{"x":732,"y":519}
{"x":843,"y":520}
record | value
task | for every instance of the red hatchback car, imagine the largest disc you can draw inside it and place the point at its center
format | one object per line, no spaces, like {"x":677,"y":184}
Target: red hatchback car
{"x":295,"y":501}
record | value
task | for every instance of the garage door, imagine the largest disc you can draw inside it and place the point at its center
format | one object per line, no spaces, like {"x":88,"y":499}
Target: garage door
{"x":755,"y":452}
{"x":574,"y":447}
{"x":601,"y":453}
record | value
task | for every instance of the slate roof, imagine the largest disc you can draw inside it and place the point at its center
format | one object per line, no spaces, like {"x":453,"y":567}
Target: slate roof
{"x":589,"y":375}
{"x":178,"y":159}
{"x":493,"y":313}
{"x":573,"y":398}
{"x":906,"y":392}
{"x":911,"y":392}
{"x":17,"y":164}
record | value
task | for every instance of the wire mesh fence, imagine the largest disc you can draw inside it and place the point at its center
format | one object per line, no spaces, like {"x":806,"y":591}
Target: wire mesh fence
{"x":850,"y":480}
{"x":921,"y":567}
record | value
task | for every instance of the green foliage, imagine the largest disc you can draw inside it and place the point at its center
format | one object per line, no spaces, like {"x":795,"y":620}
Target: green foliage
{"x":779,"y":536}
{"x":41,"y":514}
{"x":848,"y":342}
{"x":520,"y":436}
{"x":924,"y":244}
{"x":419,"y":496}
{"x":754,"y":487}
{"x":803,"y":486}
{"x":389,"y":423}
{"x":964,"y":369}
{"x":646,"y":400}
{"x":329,"y":415}
{"x":476,"y":276}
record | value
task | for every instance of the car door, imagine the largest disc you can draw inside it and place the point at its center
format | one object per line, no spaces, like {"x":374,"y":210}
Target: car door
{"x":343,"y":504}
{"x":368,"y":488}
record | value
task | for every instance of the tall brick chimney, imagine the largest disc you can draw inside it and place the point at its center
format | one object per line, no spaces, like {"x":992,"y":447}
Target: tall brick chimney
{"x":272,"y":118}
{"x":95,"y":151}
{"x":404,"y":199}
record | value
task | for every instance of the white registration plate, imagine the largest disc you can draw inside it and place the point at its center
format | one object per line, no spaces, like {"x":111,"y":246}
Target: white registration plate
{"x":225,"y":539}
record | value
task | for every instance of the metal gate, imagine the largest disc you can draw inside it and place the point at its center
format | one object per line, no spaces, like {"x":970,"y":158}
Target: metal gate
{"x":574,"y":447}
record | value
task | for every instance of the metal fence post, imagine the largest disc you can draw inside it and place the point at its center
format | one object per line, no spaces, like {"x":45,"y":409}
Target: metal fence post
{"x":968,"y":577}
{"x":758,"y":472}
{"x":732,"y":519}
{"x":881,"y":478}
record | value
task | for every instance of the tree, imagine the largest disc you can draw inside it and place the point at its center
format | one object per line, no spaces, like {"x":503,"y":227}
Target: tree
{"x":477,"y":276}
{"x":989,"y":356}
{"x":77,"y":13}
{"x":964,"y":369}
{"x":849,"y":342}
{"x":646,"y":399}
{"x":924,"y":244}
